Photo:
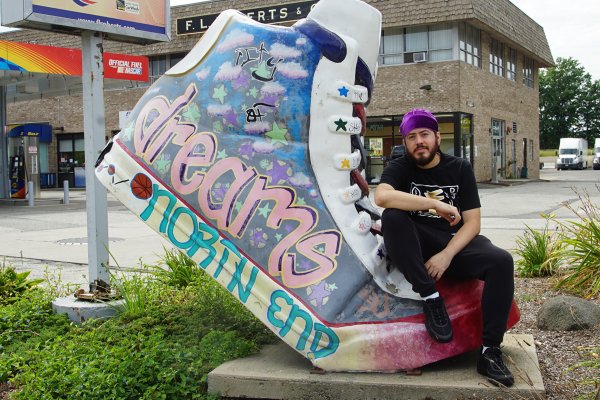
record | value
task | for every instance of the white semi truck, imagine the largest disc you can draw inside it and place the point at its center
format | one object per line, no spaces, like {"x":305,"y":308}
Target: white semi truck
{"x":572,"y":154}
{"x":597,"y":153}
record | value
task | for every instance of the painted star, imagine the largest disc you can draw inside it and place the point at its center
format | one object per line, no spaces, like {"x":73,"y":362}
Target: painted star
{"x":278,"y":236}
{"x":343,"y":91}
{"x":279,"y":172}
{"x":277,"y":134}
{"x":238,"y":206}
{"x":192,"y":113}
{"x":231,"y":119}
{"x":241,"y":81}
{"x":380,"y":254}
{"x":218,"y":126}
{"x":253,"y":92}
{"x":220,"y":93}
{"x":264,"y":210}
{"x":319,"y":293}
{"x":331,"y":287}
{"x":301,"y":201}
{"x":163,"y":164}
{"x":340,"y":124}
{"x":222,"y":154}
{"x":219,"y":193}
{"x":304,"y":265}
{"x":346,"y":163}
{"x":246,"y":150}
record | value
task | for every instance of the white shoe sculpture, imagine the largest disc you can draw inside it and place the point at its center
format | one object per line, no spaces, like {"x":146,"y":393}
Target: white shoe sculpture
{"x":247,"y":155}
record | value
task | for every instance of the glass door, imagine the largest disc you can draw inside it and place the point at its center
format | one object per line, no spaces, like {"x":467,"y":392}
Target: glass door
{"x":497,"y":161}
{"x":71,"y":159}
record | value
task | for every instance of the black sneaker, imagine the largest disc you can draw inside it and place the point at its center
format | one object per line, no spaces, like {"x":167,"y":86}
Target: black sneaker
{"x":437,"y":321}
{"x":490,"y":364}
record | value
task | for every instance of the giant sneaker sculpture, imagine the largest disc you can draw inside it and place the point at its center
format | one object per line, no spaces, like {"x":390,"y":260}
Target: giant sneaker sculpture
{"x":247,"y":156}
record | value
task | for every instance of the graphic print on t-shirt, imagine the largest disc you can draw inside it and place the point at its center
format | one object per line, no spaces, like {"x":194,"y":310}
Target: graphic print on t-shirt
{"x":447,"y":194}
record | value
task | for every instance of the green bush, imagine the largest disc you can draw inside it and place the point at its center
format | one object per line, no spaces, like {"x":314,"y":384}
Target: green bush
{"x":164,"y":351}
{"x":178,"y":269}
{"x":540,"y":252}
{"x":581,"y":276}
{"x":133,"y":291}
{"x":13,"y":284}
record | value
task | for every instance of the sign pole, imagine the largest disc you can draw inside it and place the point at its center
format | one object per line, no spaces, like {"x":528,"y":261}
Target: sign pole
{"x":94,"y":128}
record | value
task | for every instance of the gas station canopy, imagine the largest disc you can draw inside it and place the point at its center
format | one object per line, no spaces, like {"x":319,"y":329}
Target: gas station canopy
{"x":31,"y":71}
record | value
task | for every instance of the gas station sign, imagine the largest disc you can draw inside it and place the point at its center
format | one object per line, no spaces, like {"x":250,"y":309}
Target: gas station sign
{"x":139,"y":21}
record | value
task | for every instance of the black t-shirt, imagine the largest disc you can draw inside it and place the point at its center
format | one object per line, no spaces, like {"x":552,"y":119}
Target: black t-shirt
{"x":451,"y":181}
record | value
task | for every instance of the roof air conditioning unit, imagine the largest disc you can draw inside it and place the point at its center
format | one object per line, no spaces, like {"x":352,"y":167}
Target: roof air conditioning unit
{"x":420,"y":57}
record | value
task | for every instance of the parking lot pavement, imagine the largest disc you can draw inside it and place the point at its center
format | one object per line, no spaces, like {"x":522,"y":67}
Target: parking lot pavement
{"x":54,"y":235}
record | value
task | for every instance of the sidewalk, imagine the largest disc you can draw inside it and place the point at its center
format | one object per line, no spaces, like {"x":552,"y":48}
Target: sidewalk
{"x":53,"y":236}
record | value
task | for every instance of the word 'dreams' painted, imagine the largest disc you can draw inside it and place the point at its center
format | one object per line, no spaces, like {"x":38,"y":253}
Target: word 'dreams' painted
{"x":158,"y":126}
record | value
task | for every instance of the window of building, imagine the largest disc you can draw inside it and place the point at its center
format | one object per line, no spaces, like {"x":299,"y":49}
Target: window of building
{"x":440,"y":42}
{"x":469,"y":44}
{"x":160,"y":64}
{"x":511,"y":64}
{"x":531,"y":149}
{"x":391,"y":50}
{"x":416,"y":44}
{"x":527,"y":71}
{"x":497,"y":58}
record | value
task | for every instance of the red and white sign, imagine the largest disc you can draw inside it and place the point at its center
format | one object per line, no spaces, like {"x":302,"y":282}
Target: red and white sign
{"x":122,"y":66}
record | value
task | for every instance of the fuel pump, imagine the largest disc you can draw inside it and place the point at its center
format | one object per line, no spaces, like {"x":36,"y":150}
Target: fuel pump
{"x":18,"y":173}
{"x":24,"y":158}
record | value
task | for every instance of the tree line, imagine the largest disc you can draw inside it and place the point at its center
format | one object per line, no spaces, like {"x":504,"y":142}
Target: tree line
{"x":569,"y":103}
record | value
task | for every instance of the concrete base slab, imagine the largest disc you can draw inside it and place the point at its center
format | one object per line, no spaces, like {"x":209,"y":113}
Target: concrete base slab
{"x":278,"y":372}
{"x":79,"y":311}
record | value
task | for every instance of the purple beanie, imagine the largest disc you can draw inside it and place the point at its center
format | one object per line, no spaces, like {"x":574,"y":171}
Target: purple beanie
{"x":418,"y":118}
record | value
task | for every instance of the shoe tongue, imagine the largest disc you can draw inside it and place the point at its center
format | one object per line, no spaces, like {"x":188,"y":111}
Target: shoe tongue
{"x":355,"y":19}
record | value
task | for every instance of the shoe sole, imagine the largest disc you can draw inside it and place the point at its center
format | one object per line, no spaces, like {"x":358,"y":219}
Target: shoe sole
{"x":264,"y":211}
{"x":505,"y":383}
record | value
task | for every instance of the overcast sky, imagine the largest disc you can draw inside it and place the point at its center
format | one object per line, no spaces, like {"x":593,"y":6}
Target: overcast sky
{"x":572,"y":28}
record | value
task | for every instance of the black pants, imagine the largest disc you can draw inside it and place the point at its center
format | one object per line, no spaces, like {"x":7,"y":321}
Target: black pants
{"x":409,"y":245}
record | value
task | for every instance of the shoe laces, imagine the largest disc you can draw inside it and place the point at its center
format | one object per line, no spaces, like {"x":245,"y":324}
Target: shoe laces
{"x":494,"y":355}
{"x":438,"y":311}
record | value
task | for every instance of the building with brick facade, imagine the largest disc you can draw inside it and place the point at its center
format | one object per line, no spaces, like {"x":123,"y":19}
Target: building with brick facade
{"x":473,"y":63}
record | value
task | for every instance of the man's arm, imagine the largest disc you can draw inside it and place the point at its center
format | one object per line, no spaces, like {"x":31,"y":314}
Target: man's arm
{"x":437,"y":265}
{"x":388,"y":197}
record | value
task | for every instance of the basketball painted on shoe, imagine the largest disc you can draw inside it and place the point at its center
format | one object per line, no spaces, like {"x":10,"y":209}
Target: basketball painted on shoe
{"x":247,"y":156}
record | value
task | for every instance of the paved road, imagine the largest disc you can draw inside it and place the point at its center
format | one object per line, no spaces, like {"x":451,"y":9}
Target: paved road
{"x":54,"y":235}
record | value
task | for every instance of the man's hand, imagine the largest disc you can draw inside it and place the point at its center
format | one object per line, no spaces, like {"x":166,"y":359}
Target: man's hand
{"x":438,"y":264}
{"x":448,"y":212}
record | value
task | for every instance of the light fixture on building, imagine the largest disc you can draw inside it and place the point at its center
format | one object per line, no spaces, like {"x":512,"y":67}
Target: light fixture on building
{"x":425,"y":87}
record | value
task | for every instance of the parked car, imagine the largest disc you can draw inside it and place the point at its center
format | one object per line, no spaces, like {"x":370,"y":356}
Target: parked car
{"x":397,"y":151}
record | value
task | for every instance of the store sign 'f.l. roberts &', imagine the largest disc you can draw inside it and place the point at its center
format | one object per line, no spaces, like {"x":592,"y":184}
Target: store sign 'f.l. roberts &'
{"x":266,"y":15}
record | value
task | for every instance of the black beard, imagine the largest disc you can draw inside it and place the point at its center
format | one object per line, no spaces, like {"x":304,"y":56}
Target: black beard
{"x":424,"y":161}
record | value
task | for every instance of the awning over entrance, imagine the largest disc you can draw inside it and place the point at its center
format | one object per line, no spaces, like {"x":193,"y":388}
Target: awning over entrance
{"x":42,"y":131}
